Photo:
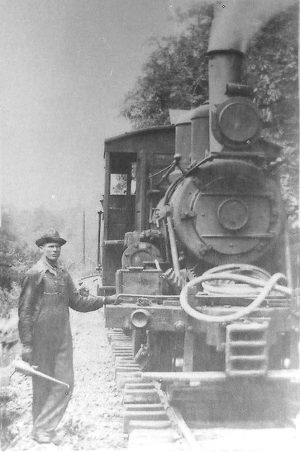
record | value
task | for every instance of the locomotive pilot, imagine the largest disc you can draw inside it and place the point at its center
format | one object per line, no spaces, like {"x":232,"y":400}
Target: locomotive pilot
{"x":44,"y":328}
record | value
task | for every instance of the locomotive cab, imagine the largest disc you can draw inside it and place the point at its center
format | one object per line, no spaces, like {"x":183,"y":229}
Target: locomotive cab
{"x":128,"y":197}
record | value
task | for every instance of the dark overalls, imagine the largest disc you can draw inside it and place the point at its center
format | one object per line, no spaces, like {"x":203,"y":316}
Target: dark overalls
{"x":44,"y":325}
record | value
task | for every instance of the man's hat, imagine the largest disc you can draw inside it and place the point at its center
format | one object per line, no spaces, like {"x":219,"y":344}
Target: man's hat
{"x":50,"y":236}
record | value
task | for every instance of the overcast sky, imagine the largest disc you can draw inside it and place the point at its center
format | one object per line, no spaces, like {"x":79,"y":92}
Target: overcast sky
{"x":65,"y":66}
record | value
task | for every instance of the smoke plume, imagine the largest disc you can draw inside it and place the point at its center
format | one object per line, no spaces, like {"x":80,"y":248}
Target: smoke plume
{"x":237,"y":21}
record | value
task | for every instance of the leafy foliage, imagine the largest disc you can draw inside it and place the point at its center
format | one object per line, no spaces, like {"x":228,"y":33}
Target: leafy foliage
{"x":175,"y":75}
{"x":273,"y":70}
{"x":15,"y":256}
{"x":15,"y":259}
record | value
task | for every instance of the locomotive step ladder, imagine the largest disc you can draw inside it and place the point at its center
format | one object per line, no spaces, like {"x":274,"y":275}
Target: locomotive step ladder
{"x":246,"y":351}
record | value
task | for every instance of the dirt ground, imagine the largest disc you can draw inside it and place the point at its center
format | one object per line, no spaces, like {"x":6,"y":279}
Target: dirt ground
{"x":94,"y":417}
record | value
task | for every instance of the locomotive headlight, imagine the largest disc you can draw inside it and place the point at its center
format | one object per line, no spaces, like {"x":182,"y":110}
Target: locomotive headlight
{"x":140,"y":318}
{"x":238,"y":121}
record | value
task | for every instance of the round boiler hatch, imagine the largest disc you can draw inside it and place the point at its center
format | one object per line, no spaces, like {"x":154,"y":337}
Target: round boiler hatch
{"x":233,"y":214}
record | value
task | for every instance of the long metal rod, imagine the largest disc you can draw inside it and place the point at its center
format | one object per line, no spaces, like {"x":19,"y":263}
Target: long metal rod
{"x":292,"y":374}
{"x":168,"y":256}
{"x":173,"y":245}
{"x":184,"y":376}
{"x":155,"y":297}
{"x":93,"y":275}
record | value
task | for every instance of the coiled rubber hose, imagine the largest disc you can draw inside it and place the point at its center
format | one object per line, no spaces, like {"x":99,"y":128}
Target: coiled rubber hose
{"x":250,"y":285}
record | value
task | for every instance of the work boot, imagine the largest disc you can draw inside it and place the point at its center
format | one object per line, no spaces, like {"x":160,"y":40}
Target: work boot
{"x":42,"y":437}
{"x":57,"y":438}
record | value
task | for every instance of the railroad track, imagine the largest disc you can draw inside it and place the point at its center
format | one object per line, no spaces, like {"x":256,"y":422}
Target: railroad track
{"x":147,"y":413}
{"x":150,"y":420}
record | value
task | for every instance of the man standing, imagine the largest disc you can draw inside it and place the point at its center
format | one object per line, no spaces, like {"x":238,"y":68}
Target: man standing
{"x":44,"y":328}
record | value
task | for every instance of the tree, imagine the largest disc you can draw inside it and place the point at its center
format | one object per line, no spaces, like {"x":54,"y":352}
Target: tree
{"x":15,"y":259}
{"x":174,"y":76}
{"x":273,"y":70}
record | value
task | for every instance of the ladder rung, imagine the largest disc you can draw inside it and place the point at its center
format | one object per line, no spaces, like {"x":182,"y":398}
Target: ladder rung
{"x":247,"y":358}
{"x":246,"y":343}
{"x":247,"y":327}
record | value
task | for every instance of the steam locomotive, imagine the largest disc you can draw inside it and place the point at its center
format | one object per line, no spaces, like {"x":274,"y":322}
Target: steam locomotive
{"x":194,"y":244}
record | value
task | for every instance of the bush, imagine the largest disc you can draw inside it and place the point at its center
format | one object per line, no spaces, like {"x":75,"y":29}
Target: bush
{"x":15,"y":259}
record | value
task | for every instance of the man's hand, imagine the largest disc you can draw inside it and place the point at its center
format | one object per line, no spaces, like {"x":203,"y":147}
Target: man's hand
{"x":84,"y":291}
{"x":110,"y":299}
{"x":26,"y":354}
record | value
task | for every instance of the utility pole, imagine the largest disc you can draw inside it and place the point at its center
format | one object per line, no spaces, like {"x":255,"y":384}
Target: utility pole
{"x":99,"y":239}
{"x":99,"y":251}
{"x":83,"y":238}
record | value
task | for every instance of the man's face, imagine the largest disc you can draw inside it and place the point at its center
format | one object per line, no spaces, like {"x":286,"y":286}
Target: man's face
{"x":51,"y":251}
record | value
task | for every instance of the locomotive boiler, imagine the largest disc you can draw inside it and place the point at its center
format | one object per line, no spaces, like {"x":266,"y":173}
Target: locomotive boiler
{"x":194,"y":244}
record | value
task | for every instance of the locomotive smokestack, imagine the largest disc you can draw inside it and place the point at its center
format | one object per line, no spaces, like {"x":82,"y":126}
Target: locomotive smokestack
{"x":225,"y":66}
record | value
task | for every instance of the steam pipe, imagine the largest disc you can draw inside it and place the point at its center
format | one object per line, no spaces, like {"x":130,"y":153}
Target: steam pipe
{"x":174,"y":252}
{"x":183,"y":140}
